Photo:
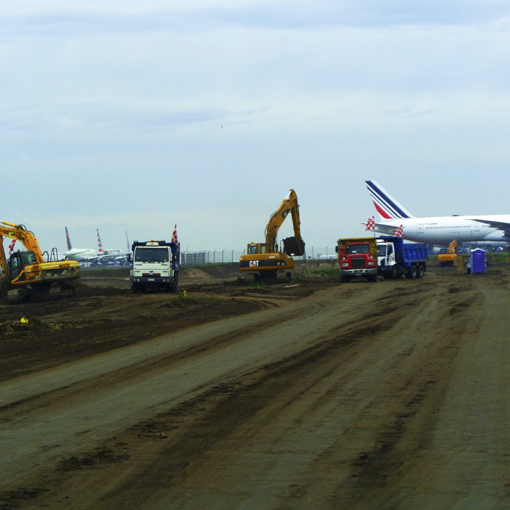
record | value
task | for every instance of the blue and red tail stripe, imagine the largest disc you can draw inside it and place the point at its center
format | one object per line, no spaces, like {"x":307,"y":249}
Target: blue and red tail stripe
{"x":385,"y":205}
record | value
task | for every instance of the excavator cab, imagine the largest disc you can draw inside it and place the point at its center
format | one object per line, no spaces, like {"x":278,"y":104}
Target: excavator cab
{"x":256,"y":248}
{"x":18,"y":261}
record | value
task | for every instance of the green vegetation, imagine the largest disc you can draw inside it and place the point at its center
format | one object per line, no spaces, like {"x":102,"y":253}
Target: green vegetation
{"x":256,"y":285}
{"x":328,"y":271}
{"x":498,"y":257}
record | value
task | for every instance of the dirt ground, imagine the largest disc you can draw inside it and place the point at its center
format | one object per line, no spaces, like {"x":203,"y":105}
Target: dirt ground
{"x":309,"y":394}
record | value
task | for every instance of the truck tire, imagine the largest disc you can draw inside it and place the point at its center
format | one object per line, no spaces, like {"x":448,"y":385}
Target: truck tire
{"x":345,"y":279}
{"x":175,"y":284}
{"x":394,"y":273}
{"x":373,"y":278}
{"x":134,"y":288}
{"x":421,"y":271}
{"x":412,"y":272}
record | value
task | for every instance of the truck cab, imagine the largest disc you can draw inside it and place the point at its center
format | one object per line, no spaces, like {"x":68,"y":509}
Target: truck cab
{"x":155,"y":266}
{"x":396,"y":258}
{"x":357,"y":258}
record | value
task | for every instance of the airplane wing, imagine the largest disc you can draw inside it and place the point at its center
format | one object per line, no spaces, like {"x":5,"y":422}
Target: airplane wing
{"x":500,"y":225}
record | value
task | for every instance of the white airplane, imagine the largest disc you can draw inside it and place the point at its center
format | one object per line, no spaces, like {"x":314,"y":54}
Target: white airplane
{"x":112,"y":256}
{"x":80,"y":255}
{"x":486,"y":229}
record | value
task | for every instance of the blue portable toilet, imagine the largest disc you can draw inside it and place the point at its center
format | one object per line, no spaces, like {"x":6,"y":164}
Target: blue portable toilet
{"x":478,"y":261}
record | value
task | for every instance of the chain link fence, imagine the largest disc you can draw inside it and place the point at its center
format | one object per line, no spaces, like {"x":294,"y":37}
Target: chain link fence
{"x":198,"y":258}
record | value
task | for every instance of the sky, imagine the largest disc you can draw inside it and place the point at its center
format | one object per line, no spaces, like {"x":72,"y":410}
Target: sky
{"x":131,"y":117}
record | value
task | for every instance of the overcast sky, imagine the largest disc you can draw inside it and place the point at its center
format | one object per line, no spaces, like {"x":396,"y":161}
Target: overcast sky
{"x":133,"y":116}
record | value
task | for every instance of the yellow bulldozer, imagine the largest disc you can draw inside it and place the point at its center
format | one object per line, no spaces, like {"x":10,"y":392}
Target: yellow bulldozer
{"x":27,"y":275}
{"x":265,"y":260}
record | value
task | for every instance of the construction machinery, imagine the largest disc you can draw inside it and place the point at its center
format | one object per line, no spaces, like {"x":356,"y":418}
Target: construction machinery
{"x":449,"y":258}
{"x":265,"y":260}
{"x":26,"y":274}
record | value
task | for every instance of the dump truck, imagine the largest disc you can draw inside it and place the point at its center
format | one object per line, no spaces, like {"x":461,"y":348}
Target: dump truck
{"x":396,"y":258}
{"x":357,"y":257}
{"x":265,"y":260}
{"x":26,"y":274}
{"x":389,"y":257}
{"x":155,"y":266}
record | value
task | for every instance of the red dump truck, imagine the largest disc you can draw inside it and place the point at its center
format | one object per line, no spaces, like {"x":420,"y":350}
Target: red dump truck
{"x":390,"y":257}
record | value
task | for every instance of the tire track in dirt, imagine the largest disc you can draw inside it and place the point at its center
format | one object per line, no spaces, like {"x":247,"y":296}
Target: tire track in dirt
{"x":227,"y":407}
{"x":367,"y":470}
{"x":61,"y":410}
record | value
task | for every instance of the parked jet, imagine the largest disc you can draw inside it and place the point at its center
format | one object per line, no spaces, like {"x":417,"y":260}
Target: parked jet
{"x":79,"y":254}
{"x":436,"y":229}
{"x":113,"y":256}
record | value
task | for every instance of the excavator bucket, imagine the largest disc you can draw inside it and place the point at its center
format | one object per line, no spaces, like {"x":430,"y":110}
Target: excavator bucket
{"x":294,"y":246}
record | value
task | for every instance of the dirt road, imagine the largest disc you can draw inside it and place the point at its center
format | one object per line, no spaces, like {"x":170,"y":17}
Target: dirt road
{"x":313,"y":395}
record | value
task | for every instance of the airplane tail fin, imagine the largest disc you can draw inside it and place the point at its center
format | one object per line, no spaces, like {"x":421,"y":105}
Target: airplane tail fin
{"x":99,"y":242}
{"x":387,"y":207}
{"x":68,"y":239}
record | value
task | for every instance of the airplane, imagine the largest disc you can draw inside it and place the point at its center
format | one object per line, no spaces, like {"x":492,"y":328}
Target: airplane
{"x":111,"y":256}
{"x":396,"y":219}
{"x":80,"y":255}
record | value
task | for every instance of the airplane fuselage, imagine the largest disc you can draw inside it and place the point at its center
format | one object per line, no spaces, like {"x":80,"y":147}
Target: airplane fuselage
{"x":444,"y":229}
{"x":79,"y":255}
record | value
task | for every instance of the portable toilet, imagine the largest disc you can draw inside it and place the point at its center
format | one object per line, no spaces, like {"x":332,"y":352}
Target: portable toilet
{"x":478,"y":261}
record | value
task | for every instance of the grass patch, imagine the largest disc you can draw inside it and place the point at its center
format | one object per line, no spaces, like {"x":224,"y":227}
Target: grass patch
{"x":256,"y":285}
{"x":328,"y":271}
{"x":499,"y":257}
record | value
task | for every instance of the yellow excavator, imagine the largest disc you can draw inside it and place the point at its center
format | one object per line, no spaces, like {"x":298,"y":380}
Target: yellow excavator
{"x":448,"y":259}
{"x":26,"y":275}
{"x":264,"y":260}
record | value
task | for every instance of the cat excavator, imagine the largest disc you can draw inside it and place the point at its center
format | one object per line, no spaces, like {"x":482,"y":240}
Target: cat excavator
{"x":26,"y":275}
{"x":265,"y":260}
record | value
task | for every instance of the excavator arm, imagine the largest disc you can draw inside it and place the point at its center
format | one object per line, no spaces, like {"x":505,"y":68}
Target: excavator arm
{"x":23,"y":235}
{"x":5,"y":281}
{"x":292,"y":245}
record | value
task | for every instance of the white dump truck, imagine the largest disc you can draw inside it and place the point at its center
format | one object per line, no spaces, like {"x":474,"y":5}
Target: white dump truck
{"x":155,"y":266}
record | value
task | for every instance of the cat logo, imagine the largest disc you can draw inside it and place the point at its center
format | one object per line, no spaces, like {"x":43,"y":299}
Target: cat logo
{"x":254,"y":263}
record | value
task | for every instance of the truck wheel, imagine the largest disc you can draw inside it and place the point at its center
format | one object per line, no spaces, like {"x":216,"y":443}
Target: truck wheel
{"x":134,"y":288}
{"x":394,"y":273}
{"x":175,"y":285}
{"x":421,"y":271}
{"x":373,"y":278}
{"x":345,"y":279}
{"x":412,"y":272}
